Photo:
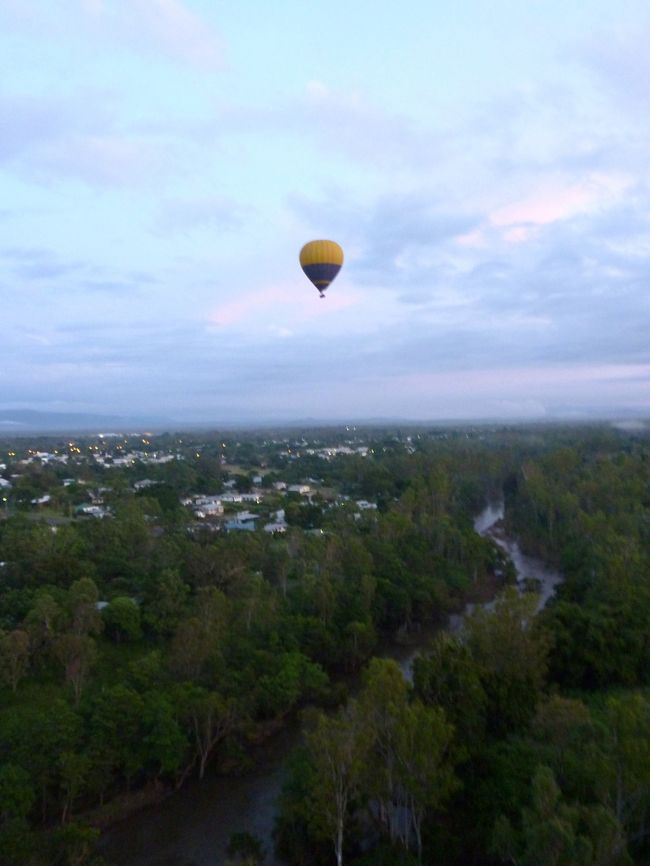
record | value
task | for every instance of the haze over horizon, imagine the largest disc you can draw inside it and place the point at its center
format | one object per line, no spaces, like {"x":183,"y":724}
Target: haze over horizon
{"x":485,"y":170}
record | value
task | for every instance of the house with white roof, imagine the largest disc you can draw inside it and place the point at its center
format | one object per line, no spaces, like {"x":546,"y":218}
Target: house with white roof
{"x":208,"y":506}
{"x":97,"y":511}
{"x":146,"y":482}
{"x":278,"y":524}
{"x":302,"y":489}
{"x":243,"y":521}
{"x":42,"y":500}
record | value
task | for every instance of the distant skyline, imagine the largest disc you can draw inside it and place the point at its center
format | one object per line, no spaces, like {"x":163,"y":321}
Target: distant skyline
{"x":484,"y":166}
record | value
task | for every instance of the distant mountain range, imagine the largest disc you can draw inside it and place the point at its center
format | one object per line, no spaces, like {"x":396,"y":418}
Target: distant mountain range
{"x":16,"y":421}
{"x":30,"y":421}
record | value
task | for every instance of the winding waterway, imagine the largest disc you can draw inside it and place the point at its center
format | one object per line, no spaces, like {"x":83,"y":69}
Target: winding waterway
{"x":192,"y":826}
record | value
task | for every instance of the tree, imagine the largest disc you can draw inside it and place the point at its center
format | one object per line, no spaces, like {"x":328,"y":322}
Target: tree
{"x":408,"y":767}
{"x":627,"y":746}
{"x":424,"y":768}
{"x":382,"y":706}
{"x":165,"y":743}
{"x":511,"y":654}
{"x":191,"y":648}
{"x":85,"y":619}
{"x":72,"y":844}
{"x":244,"y":849}
{"x":118,"y":734}
{"x":565,"y":739}
{"x":336,"y":749}
{"x":555,"y":834}
{"x":73,"y":769}
{"x":16,"y":800}
{"x":210,"y":718}
{"x":165,"y":602}
{"x":449,"y":677}
{"x":44,"y":620}
{"x":360,"y":639}
{"x":122,"y":619}
{"x":14,"y":656}
{"x":76,"y":652}
{"x":32,"y":738}
{"x":290,"y":678}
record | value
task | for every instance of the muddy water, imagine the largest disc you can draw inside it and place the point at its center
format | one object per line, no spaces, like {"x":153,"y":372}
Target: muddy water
{"x":528,"y":569}
{"x":192,"y":826}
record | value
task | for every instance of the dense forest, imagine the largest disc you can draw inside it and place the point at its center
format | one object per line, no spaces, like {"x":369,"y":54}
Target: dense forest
{"x":138,"y":651}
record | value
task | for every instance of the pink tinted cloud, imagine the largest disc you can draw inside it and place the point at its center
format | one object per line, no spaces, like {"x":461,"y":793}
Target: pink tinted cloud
{"x":558,"y":202}
{"x":169,"y":25}
{"x":523,"y":380}
{"x":298,"y":302}
{"x":474,"y":238}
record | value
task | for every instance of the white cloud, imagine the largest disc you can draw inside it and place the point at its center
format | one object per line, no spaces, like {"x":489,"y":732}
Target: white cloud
{"x":182,"y":214}
{"x":79,"y":137}
{"x":175,"y":28}
{"x":168,"y":27}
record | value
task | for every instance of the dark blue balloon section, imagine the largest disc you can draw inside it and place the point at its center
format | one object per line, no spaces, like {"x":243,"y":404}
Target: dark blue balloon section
{"x":321,"y":274}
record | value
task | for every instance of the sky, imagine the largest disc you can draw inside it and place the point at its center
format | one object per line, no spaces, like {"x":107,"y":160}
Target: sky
{"x":485,"y":167}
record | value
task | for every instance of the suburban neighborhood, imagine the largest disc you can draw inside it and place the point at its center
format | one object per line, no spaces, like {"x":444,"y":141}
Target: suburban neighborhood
{"x":233,"y":484}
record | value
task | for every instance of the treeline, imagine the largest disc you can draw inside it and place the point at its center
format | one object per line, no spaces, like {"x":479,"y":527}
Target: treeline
{"x":587,"y":507}
{"x":525,"y":740}
{"x":133,"y":654}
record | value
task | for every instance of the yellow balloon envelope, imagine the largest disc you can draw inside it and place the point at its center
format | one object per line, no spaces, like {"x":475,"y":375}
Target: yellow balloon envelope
{"x":321,"y":261}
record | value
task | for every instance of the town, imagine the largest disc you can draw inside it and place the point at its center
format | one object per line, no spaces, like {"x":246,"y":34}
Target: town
{"x":211,"y":483}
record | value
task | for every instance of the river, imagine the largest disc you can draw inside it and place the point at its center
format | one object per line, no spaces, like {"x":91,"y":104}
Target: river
{"x":192,"y":827}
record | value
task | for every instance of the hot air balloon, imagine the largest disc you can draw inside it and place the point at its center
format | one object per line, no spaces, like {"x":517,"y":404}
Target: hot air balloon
{"x":321,"y":261}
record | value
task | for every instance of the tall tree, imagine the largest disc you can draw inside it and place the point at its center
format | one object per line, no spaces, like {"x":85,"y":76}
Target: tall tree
{"x":627,"y":746}
{"x":76,"y":652}
{"x":14,"y":656}
{"x":512,"y":658}
{"x":209,"y":716}
{"x":336,"y":749}
{"x":424,"y":767}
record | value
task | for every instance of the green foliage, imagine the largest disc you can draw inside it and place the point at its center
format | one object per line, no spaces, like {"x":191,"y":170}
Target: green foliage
{"x":244,"y":848}
{"x":511,"y":655}
{"x":448,"y":676}
{"x":555,"y":834}
{"x":122,"y":619}
{"x":72,"y":845}
{"x":384,"y":753}
{"x":14,"y":656}
{"x":209,"y":639}
{"x":16,"y":800}
{"x":165,"y":599}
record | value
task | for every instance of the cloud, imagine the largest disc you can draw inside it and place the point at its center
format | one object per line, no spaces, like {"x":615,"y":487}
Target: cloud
{"x":169,"y":28}
{"x":342,"y":123}
{"x":77,"y":137}
{"x":397,"y":237}
{"x":111,"y":159}
{"x":556,"y":200}
{"x":497,"y":254}
{"x":498,"y":365}
{"x":25,"y":121}
{"x":296,"y":305}
{"x":220,"y":212}
{"x":36,"y":264}
{"x":618,"y":59}
{"x":68,"y":283}
{"x":166,"y":25}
